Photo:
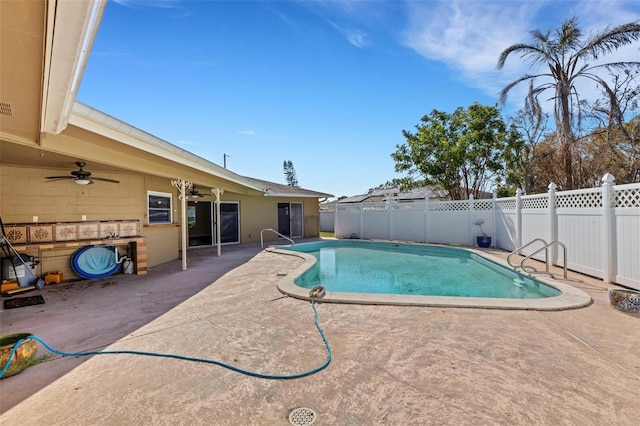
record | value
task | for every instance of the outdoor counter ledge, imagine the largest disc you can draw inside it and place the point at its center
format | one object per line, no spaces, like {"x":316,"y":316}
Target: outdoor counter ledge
{"x":571,"y":297}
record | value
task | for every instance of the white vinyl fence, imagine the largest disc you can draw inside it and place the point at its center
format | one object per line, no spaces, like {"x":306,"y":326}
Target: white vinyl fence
{"x":328,"y":218}
{"x":599,"y":226}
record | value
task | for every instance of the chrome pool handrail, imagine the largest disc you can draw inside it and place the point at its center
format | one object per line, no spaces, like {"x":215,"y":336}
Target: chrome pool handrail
{"x":525,"y":246}
{"x":545,"y":248}
{"x":276,"y":232}
{"x":533,"y":270}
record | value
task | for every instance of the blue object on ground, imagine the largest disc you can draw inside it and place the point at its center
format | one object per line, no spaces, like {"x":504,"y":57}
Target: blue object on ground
{"x":92,"y":262}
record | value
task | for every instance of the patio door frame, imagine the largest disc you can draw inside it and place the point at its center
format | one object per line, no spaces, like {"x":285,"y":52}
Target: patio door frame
{"x":210,"y":231}
{"x":232,"y":225}
{"x":290,"y":218}
{"x":229,"y":226}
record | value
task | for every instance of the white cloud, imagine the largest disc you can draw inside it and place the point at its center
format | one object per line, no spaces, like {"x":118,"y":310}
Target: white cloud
{"x":164,"y":4}
{"x":356,"y":37}
{"x":468,"y":36}
{"x":247,"y":132}
{"x":353,"y":19}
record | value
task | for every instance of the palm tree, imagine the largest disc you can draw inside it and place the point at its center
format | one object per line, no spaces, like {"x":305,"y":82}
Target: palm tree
{"x":567,"y":55}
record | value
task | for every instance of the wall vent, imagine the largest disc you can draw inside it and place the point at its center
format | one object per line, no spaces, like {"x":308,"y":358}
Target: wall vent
{"x":5,"y":109}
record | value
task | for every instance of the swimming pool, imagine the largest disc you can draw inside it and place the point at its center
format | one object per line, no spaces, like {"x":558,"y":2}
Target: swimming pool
{"x":356,"y":271}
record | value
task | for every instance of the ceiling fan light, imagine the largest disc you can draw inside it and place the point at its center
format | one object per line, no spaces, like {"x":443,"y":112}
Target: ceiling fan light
{"x":82,"y":181}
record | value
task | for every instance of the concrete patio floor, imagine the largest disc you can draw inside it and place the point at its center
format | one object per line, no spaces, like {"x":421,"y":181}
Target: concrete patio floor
{"x":391,"y":365}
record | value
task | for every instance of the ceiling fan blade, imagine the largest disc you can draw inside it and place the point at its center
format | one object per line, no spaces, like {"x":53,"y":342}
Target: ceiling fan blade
{"x":60,"y":177}
{"x":104,"y":179}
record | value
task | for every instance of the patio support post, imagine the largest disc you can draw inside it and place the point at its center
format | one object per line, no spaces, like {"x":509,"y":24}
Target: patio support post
{"x":607,"y":228}
{"x":183,"y":186}
{"x":218,"y":192}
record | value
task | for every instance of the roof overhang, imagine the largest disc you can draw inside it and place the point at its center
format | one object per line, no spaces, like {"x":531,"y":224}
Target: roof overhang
{"x":71,"y":29}
{"x":296,"y":195}
{"x":45,"y":46}
{"x":98,"y":123}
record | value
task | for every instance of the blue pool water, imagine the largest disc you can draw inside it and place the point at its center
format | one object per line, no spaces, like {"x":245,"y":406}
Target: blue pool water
{"x":409,"y":269}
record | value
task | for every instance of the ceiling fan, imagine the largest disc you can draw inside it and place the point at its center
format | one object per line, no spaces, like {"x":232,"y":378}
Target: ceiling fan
{"x":195,"y":194}
{"x":81,"y":177}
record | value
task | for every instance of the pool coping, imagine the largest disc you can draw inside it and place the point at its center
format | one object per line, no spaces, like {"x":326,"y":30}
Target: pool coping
{"x":570,"y":297}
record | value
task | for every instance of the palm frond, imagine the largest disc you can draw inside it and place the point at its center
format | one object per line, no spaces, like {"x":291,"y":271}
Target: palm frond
{"x":534,"y":53}
{"x":618,"y":65}
{"x":610,"y":39}
{"x":503,"y":92}
{"x":569,"y":34}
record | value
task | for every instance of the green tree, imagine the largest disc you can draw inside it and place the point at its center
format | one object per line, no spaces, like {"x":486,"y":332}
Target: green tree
{"x":290,"y":173}
{"x":567,"y":56}
{"x":462,"y":151}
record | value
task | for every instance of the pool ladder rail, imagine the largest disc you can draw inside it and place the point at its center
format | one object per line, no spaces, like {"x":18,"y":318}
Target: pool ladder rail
{"x":276,"y":232}
{"x":530,"y":269}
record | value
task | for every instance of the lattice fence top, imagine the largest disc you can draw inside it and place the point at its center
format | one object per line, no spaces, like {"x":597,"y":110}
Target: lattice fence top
{"x":349,"y":208}
{"x":535,"y":202}
{"x":483,"y":204}
{"x":444,"y":206}
{"x":627,"y":197}
{"x":409,"y":207}
{"x":506,"y":203}
{"x":579,"y":199}
{"x":374,"y":207}
{"x":623,"y":196}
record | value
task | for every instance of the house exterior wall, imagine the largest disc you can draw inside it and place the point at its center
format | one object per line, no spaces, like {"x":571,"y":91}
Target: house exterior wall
{"x":25,"y":193}
{"x":258,"y":213}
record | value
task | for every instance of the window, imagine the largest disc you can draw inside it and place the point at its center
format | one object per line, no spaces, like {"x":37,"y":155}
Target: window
{"x":159,"y":208}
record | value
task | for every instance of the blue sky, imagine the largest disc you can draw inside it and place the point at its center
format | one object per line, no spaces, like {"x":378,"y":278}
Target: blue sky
{"x":329,"y":85}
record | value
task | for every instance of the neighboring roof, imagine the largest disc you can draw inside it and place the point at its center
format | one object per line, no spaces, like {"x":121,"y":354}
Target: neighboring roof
{"x":431,"y":192}
{"x":354,"y":199}
{"x":273,"y":189}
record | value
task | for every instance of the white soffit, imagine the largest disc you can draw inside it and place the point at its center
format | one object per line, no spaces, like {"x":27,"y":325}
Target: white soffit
{"x":71,"y":29}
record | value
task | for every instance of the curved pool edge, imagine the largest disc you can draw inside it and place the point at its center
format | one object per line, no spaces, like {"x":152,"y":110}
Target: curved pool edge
{"x":570,"y":297}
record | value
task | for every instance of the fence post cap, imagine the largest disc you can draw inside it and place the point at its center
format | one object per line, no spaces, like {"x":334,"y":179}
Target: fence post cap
{"x":608,"y":178}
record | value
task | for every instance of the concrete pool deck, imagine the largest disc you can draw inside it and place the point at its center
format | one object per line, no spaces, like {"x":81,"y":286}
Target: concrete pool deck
{"x":391,"y":364}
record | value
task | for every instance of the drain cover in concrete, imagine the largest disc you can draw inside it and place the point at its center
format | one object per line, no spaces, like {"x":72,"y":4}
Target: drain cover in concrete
{"x":302,"y":417}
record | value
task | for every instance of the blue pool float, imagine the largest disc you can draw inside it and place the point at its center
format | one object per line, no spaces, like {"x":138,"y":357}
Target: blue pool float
{"x":92,"y":262}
